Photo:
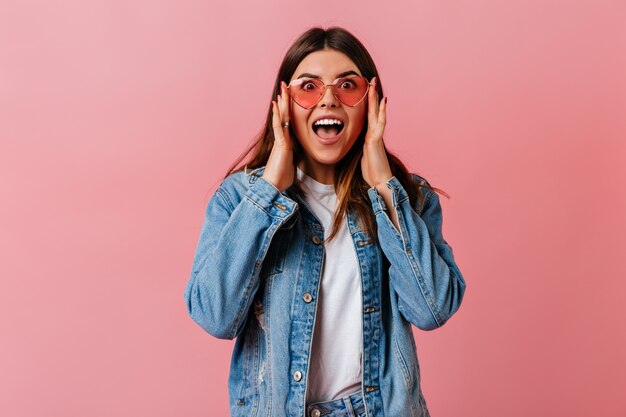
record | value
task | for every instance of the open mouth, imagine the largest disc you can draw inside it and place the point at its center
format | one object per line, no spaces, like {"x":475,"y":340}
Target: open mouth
{"x":327,"y":131}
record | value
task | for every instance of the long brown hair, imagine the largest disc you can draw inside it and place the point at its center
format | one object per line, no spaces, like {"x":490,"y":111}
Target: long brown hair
{"x":349,"y":183}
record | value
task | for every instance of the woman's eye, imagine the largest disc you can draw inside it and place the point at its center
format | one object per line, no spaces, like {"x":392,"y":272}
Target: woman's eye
{"x":347,"y":84}
{"x":308,"y":86}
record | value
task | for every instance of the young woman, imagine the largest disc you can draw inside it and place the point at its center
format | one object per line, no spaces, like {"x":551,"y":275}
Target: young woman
{"x":321,"y":251}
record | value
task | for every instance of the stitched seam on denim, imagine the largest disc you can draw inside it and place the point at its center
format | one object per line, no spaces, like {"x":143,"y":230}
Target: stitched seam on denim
{"x":207,"y":255}
{"x":402,"y":226}
{"x":255,"y":274}
{"x":417,"y":274}
{"x":276,"y":263}
{"x":397,"y":189}
{"x":402,"y":201}
{"x":419,"y":278}
{"x":395,"y":197}
{"x":268,"y":348}
{"x":265,"y":199}
{"x":376,"y":207}
{"x":255,"y":373}
{"x":392,"y":226}
{"x":261,"y":208}
{"x":315,"y":315}
{"x":245,"y":369}
{"x":295,"y":293}
{"x":362,"y":364}
{"x":226,"y":199}
{"x":416,"y":372}
{"x":403,"y":365}
{"x":405,"y":371}
{"x":433,"y":306}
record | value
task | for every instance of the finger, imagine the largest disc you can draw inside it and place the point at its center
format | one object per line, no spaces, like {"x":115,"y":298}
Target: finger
{"x":370,"y":103}
{"x":284,"y":102}
{"x":278,"y":133}
{"x":382,"y":115}
{"x":373,"y":103}
{"x":382,"y":121}
{"x":281,"y":138}
{"x":285,"y":92}
{"x":279,"y":102}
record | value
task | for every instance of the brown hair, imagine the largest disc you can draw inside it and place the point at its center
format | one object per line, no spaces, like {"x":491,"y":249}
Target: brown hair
{"x":349,"y":183}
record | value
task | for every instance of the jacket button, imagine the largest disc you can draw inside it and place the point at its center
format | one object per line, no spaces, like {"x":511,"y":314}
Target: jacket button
{"x":307,"y":297}
{"x":297,"y":375}
{"x":316,"y":412}
{"x":316,"y":240}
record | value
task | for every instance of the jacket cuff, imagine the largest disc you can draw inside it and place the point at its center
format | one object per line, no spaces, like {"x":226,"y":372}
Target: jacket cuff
{"x":398,"y":195}
{"x":269,"y":199}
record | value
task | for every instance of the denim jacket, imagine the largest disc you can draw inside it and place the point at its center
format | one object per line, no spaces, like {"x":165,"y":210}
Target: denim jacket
{"x":256,"y":275}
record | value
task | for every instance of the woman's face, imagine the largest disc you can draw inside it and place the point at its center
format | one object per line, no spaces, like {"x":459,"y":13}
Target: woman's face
{"x":322,"y":155}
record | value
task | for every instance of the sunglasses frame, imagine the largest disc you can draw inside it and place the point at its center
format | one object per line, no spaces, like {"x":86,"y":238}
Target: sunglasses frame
{"x":302,"y":80}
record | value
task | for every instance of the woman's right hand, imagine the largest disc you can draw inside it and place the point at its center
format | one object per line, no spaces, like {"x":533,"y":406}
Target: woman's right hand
{"x":280,"y":169}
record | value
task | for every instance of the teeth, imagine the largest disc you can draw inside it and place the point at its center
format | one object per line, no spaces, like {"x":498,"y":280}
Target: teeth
{"x":328,"y":122}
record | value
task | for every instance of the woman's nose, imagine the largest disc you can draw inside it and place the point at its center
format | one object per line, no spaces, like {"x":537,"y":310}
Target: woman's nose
{"x":329,"y":99}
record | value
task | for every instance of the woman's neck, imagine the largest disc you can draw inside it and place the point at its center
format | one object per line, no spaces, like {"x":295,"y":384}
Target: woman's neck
{"x":324,"y":174}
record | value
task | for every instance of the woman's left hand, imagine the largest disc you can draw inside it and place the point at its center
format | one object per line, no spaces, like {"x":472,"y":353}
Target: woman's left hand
{"x":374,"y":163}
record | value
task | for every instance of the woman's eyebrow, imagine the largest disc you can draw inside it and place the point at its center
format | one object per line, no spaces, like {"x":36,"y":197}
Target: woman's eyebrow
{"x":343,"y":74}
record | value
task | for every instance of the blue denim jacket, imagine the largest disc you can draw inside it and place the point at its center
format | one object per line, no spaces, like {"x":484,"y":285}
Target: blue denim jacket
{"x":256,"y":276}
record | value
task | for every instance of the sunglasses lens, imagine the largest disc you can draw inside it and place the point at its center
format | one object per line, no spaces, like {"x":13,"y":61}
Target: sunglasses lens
{"x":308,"y":92}
{"x":351,"y":90}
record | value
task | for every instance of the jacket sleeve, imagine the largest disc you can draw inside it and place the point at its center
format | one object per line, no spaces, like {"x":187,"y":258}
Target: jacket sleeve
{"x":230,"y":251}
{"x":422,"y":271}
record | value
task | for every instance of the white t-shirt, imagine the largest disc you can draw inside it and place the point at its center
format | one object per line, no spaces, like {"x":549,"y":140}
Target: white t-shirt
{"x":335,"y":365}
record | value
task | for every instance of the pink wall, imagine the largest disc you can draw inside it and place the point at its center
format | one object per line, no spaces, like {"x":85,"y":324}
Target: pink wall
{"x":117,"y":119}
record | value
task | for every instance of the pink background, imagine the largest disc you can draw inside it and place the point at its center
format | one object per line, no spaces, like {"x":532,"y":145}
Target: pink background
{"x":118,"y":118}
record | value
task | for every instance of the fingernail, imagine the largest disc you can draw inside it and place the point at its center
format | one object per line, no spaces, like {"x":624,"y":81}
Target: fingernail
{"x":385,"y":100}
